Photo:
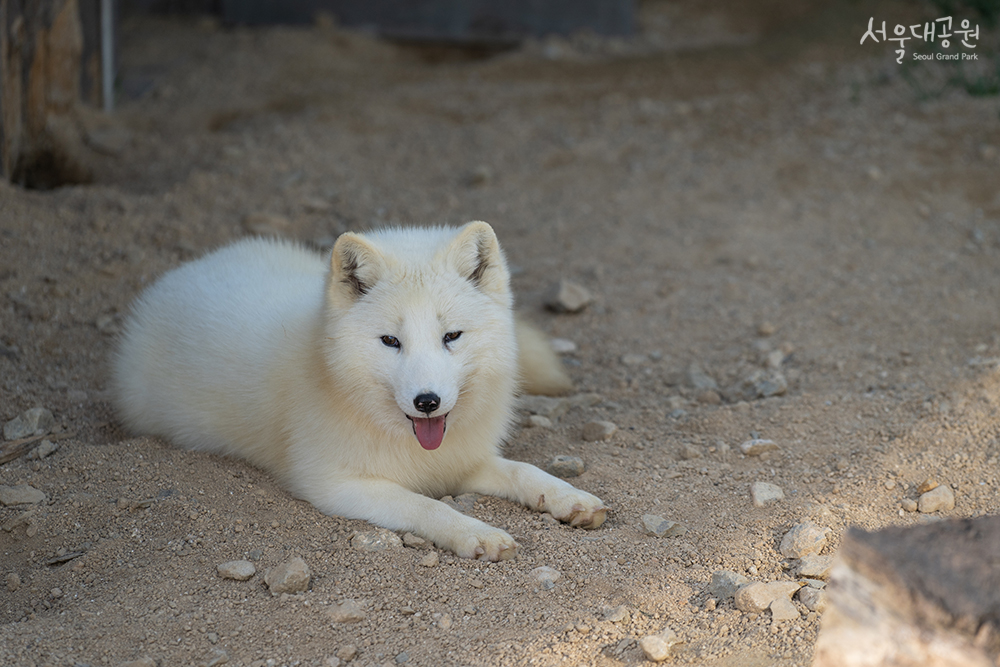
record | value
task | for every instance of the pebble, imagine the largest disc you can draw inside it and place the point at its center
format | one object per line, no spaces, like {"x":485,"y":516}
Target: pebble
{"x":445,"y":622}
{"x":379,"y":539}
{"x":430,"y":560}
{"x":657,"y":526}
{"x":239,"y":570}
{"x":291,"y":576}
{"x":689,"y":452}
{"x":599,"y":430}
{"x":347,"y":611}
{"x":44,"y":449}
{"x":402,"y":657}
{"x":562,"y":346}
{"x":266,"y":224}
{"x":927,"y":485}
{"x":813,"y":598}
{"x":566,"y":466}
{"x":758,"y":446}
{"x":804,"y":539}
{"x":765,"y":329}
{"x":657,"y":647}
{"x":144,"y":661}
{"x":701,"y":380}
{"x":546,"y":576}
{"x":537,"y":421}
{"x":755,"y":598}
{"x":76,"y":396}
{"x":765,"y":384}
{"x":775,"y":358}
{"x":415,"y":541}
{"x":815,"y":567}
{"x":36,"y":421}
{"x":764,"y":493}
{"x":619,"y":614}
{"x":567,"y":296}
{"x":940,"y":499}
{"x":22,"y":494}
{"x":464,"y":503}
{"x":783,"y":609}
{"x":909,"y":504}
{"x":544,"y":406}
{"x":347,"y":652}
{"x":13,"y":582}
{"x":709,"y":397}
{"x":725,"y":583}
{"x":634,"y":359}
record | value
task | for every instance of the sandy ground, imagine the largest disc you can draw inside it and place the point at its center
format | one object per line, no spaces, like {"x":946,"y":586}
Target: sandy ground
{"x":772,"y":199}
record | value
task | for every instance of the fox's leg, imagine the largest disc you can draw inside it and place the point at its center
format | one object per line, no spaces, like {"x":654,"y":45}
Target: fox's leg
{"x":538,"y":490}
{"x":392,"y":506}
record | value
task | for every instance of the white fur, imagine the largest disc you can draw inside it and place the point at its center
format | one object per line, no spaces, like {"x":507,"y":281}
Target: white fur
{"x":263,"y":351}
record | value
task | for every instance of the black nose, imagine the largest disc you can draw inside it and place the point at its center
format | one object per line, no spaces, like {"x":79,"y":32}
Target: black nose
{"x":427,"y":403}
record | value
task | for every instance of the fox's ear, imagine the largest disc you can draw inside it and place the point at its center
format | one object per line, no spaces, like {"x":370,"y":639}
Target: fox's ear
{"x":476,"y":255}
{"x":355,"y":266}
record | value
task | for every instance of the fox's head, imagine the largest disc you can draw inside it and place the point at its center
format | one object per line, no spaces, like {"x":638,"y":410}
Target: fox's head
{"x":420,"y":327}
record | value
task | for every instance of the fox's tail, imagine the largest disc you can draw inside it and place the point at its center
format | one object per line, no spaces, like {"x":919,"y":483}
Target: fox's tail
{"x":540,"y":368}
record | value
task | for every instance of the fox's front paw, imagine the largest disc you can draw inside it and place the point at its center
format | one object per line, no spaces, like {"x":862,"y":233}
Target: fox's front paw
{"x":577,"y":508}
{"x":488,"y":543}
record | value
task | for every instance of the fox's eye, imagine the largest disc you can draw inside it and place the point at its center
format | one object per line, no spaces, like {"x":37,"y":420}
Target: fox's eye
{"x":452,"y":336}
{"x":391,"y":341}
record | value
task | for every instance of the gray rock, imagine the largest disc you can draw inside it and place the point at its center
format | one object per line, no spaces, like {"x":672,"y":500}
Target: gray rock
{"x":402,"y":658}
{"x":565,"y":466}
{"x":567,"y":296}
{"x":765,"y":493}
{"x":44,"y":449}
{"x":347,"y":652}
{"x":431,"y":559}
{"x":464,"y":503}
{"x":13,"y":582}
{"x":690,"y":452}
{"x":657,"y":526}
{"x":804,"y":539}
{"x":813,"y":598}
{"x":725,"y":583}
{"x":757,"y":597}
{"x":347,"y":611}
{"x":657,"y":647}
{"x":21,"y":494}
{"x":537,"y":421}
{"x":543,"y":406}
{"x":239,"y":570}
{"x":562,"y":346}
{"x":291,"y":576}
{"x":815,"y":567}
{"x":940,"y":499}
{"x":599,"y":430}
{"x":782,"y":609}
{"x":909,"y":504}
{"x":765,"y":384}
{"x":36,"y":421}
{"x":619,"y":614}
{"x":701,"y":380}
{"x":634,"y":359}
{"x":379,"y":539}
{"x":415,"y":541}
{"x":757,"y":446}
{"x":545,"y":576}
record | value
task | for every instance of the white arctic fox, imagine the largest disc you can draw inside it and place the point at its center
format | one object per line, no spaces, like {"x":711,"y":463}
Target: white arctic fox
{"x":364,"y":386}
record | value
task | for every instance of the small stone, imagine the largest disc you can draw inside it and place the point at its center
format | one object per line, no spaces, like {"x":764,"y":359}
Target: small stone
{"x":13,"y":582}
{"x":764,"y":493}
{"x":940,"y":499}
{"x":239,"y":570}
{"x":379,"y":539}
{"x":657,"y":647}
{"x":725,"y":583}
{"x":775,"y":358}
{"x":76,"y":396}
{"x":56,"y":592}
{"x":415,"y":541}
{"x":814,"y":599}
{"x":291,"y":576}
{"x":633,"y":359}
{"x":464,"y":503}
{"x":546,"y":576}
{"x":22,"y":494}
{"x":689,"y":452}
{"x":567,"y":296}
{"x":36,"y":421}
{"x":537,"y":421}
{"x":44,"y":449}
{"x":599,"y":430}
{"x":347,"y":652}
{"x":889,"y":484}
{"x":481,"y":175}
{"x":815,"y":567}
{"x":758,"y":446}
{"x":266,"y":224}
{"x":765,"y":384}
{"x":402,"y":657}
{"x":144,"y":661}
{"x":908,"y":504}
{"x":757,"y":597}
{"x":619,"y":614}
{"x":332,"y":661}
{"x":701,"y":380}
{"x":927,"y":485}
{"x":804,"y":539}
{"x":783,"y":609}
{"x":710,"y":604}
{"x":212,"y":638}
{"x":445,"y":622}
{"x":565,"y":466}
{"x":430,"y":560}
{"x":347,"y":611}
{"x":709,"y":397}
{"x":765,"y":329}
{"x":544,"y":406}
{"x":562,"y":346}
{"x":657,"y":526}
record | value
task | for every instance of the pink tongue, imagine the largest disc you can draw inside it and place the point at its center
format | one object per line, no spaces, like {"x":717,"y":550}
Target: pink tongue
{"x":430,"y":432}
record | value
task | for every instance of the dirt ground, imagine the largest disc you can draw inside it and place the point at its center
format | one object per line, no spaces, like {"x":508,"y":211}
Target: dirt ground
{"x":762,"y":201}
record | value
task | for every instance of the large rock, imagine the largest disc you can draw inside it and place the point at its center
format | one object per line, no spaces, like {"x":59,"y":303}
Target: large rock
{"x":939,"y":499}
{"x":36,"y":421}
{"x":22,"y":494}
{"x":804,"y":539}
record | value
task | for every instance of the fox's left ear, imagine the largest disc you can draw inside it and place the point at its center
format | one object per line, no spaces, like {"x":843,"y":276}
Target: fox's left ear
{"x":476,"y":254}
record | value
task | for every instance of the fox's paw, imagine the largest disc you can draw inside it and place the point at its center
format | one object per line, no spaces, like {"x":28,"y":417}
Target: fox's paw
{"x":577,"y":508}
{"x":488,"y":543}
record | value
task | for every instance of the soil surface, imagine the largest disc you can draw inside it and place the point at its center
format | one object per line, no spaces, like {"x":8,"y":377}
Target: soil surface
{"x":787,"y":236}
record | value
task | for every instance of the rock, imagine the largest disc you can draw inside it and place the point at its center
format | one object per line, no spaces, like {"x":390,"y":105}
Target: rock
{"x":537,"y":421}
{"x":813,"y":598}
{"x":755,"y":598}
{"x":546,"y":576}
{"x":464,"y":503}
{"x":44,"y":449}
{"x":144,"y":661}
{"x":415,"y":541}
{"x":657,"y":647}
{"x":22,"y":494}
{"x":543,"y":406}
{"x":36,"y":421}
{"x":583,"y":400}
{"x":445,"y":622}
{"x":908,"y":504}
{"x":690,"y":452}
{"x":331,"y":661}
{"x":765,"y":329}
{"x":430,"y":560}
{"x":13,"y":582}
{"x":804,"y":539}
{"x":402,"y":658}
{"x":346,"y":611}
{"x":783,"y":609}
{"x":565,"y":466}
{"x":725,"y":583}
{"x":567,"y":296}
{"x":379,"y":539}
{"x":347,"y":652}
{"x":599,"y":430}
{"x":562,"y":346}
{"x":701,"y":380}
{"x":775,"y":358}
{"x":709,"y":397}
{"x":815,"y":567}
{"x":940,"y":499}
{"x":927,"y":485}
{"x":757,"y":446}
{"x":266,"y":224}
{"x":239,"y":570}
{"x":657,"y":526}
{"x":764,"y":384}
{"x":619,"y":614}
{"x":764,"y":493}
{"x":291,"y":576}
{"x":633,"y":359}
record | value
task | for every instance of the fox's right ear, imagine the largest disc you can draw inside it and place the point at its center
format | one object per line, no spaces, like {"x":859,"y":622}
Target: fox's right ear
{"x":355,"y":266}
